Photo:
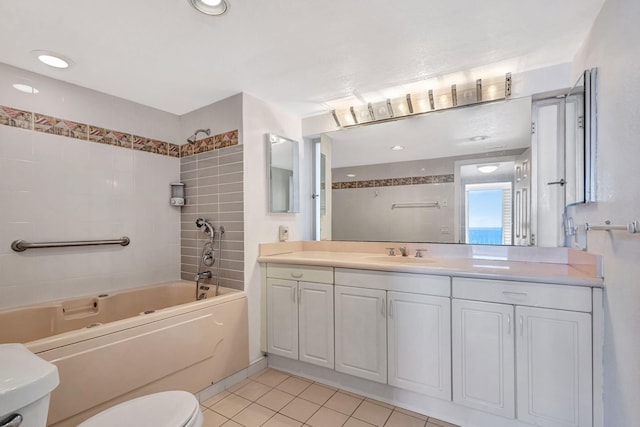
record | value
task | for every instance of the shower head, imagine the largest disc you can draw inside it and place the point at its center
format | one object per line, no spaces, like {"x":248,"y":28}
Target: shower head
{"x":208,"y":228}
{"x":193,"y":137}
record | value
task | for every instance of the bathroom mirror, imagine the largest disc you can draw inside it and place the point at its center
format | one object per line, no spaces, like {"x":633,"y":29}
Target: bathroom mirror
{"x":282,"y":174}
{"x":466,"y":175}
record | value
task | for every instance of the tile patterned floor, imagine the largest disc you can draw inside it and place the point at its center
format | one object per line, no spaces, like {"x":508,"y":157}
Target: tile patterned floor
{"x":272,"y":398}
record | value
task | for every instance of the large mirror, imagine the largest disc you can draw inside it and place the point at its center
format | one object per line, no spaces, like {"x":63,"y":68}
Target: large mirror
{"x":282,"y":174}
{"x":481,"y":174}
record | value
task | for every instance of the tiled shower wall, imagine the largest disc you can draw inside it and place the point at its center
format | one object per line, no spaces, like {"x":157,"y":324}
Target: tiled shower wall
{"x":214,"y":191}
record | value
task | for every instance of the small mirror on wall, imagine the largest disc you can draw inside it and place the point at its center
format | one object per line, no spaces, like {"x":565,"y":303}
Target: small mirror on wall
{"x":282,"y":174}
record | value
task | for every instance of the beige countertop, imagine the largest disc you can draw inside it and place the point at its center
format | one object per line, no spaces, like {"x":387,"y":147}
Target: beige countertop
{"x":540,"y":272}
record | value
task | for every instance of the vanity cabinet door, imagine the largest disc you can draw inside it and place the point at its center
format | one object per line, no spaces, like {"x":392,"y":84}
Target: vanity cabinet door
{"x":419,"y":343}
{"x":483,"y":356}
{"x":361,"y":332}
{"x":282,"y":317}
{"x":554,"y":367}
{"x":316,"y":323}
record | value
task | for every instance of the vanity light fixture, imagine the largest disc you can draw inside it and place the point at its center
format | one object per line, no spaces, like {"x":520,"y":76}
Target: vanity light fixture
{"x":397,"y":148}
{"x":487,"y":168}
{"x":210,"y":7}
{"x":414,"y":104}
{"x":25,"y":88}
{"x":52,"y":59}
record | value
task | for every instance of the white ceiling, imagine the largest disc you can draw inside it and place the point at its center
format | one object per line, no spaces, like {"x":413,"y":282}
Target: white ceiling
{"x":448,"y":133}
{"x":294,"y":54}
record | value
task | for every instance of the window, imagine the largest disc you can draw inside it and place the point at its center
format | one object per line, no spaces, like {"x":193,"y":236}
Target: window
{"x":488,"y":213}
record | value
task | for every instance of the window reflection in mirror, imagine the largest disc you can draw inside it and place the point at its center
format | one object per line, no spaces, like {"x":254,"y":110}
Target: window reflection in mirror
{"x":282,"y":167}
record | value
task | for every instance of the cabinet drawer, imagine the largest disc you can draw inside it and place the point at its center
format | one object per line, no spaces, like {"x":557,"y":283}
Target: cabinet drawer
{"x":300,"y":272}
{"x":576,"y":298}
{"x":401,"y":282}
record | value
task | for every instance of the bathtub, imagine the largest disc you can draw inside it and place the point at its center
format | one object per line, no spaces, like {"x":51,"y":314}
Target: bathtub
{"x":116,"y":346}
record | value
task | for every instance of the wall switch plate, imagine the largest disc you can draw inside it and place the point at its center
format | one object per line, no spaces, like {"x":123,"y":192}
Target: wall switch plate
{"x":283,"y":233}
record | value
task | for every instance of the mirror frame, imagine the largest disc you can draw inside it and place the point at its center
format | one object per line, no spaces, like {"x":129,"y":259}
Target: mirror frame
{"x":294,"y":189}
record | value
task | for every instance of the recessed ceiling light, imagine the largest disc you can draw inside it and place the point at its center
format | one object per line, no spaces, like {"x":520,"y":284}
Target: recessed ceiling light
{"x":397,"y":148}
{"x":351,"y":175}
{"x":487,"y":168}
{"x":52,"y":59}
{"x":25,"y":88}
{"x":210,"y":7}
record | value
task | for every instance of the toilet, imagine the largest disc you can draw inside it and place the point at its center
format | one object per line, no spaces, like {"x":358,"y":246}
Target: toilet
{"x":165,"y":409}
{"x":26,"y":383}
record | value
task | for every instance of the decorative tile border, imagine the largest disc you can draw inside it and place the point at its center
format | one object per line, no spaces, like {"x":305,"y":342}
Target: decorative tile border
{"x":390,"y":182}
{"x":215,"y":142}
{"x":47,"y":124}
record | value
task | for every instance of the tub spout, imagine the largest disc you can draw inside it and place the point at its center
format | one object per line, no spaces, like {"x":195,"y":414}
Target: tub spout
{"x":203,"y":275}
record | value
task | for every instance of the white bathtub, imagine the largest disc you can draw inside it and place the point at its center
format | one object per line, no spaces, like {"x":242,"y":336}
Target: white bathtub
{"x":111,"y":348}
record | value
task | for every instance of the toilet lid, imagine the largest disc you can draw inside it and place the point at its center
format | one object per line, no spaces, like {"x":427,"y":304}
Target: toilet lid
{"x":166,"y":409}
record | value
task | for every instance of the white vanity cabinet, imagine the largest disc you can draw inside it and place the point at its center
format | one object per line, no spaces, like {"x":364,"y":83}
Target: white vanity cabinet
{"x":300,"y":313}
{"x":511,"y":341}
{"x":395,"y":328}
{"x":361,"y":332}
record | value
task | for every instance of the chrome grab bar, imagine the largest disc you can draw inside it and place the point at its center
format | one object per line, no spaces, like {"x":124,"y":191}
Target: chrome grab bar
{"x":21,"y":245}
{"x":399,"y":205}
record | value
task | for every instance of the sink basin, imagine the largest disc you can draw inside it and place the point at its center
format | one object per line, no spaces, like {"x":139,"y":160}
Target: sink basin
{"x":400,"y":259}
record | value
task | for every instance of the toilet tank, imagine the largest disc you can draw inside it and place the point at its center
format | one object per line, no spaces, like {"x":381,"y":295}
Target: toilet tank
{"x":26,"y":382}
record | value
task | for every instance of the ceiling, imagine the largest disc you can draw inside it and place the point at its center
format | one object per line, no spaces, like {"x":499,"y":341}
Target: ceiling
{"x":448,"y":133}
{"x":296,"y":55}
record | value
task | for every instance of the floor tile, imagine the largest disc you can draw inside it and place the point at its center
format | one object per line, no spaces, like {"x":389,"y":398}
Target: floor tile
{"x":270,"y":377}
{"x":344,"y":403}
{"x":212,"y":419}
{"x":275,"y":399}
{"x":300,"y":409}
{"x":215,"y":399}
{"x":231,"y":405}
{"x":238,"y":385}
{"x":231,"y":423}
{"x":317,"y":393}
{"x":379,"y":403}
{"x":326,"y":417}
{"x":412,"y":414}
{"x":293,"y":385}
{"x":252,"y":390}
{"x":279,"y":420}
{"x":372,"y":413}
{"x":398,"y":419}
{"x":253,"y":415}
{"x":354,"y":422}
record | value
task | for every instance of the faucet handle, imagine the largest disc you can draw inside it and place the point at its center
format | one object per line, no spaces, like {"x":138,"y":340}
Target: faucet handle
{"x":392,"y":251}
{"x":419,"y":252}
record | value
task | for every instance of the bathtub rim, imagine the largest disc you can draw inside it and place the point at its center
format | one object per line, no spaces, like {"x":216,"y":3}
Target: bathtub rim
{"x":70,"y":337}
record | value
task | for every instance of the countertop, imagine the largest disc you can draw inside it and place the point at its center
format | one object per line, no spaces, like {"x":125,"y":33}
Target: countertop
{"x":539,"y":272}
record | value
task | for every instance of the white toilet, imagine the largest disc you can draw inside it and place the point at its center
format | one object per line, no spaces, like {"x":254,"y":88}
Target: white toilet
{"x":166,"y":409}
{"x":26,"y":383}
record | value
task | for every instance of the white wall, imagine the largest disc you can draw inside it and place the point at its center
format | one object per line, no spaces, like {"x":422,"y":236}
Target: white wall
{"x":613,"y":46}
{"x":261,"y":226}
{"x":57,"y":188}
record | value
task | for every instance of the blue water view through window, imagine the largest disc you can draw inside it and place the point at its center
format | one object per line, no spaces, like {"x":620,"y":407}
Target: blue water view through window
{"x":485,"y":217}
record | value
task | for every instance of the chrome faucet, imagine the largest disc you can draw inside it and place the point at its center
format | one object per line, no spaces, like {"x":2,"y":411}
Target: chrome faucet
{"x":419,"y":252}
{"x":403,"y":250}
{"x":203,"y":275}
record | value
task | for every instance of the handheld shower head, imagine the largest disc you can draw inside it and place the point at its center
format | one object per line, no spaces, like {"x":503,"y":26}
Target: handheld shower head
{"x":193,"y":137}
{"x":208,"y":228}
